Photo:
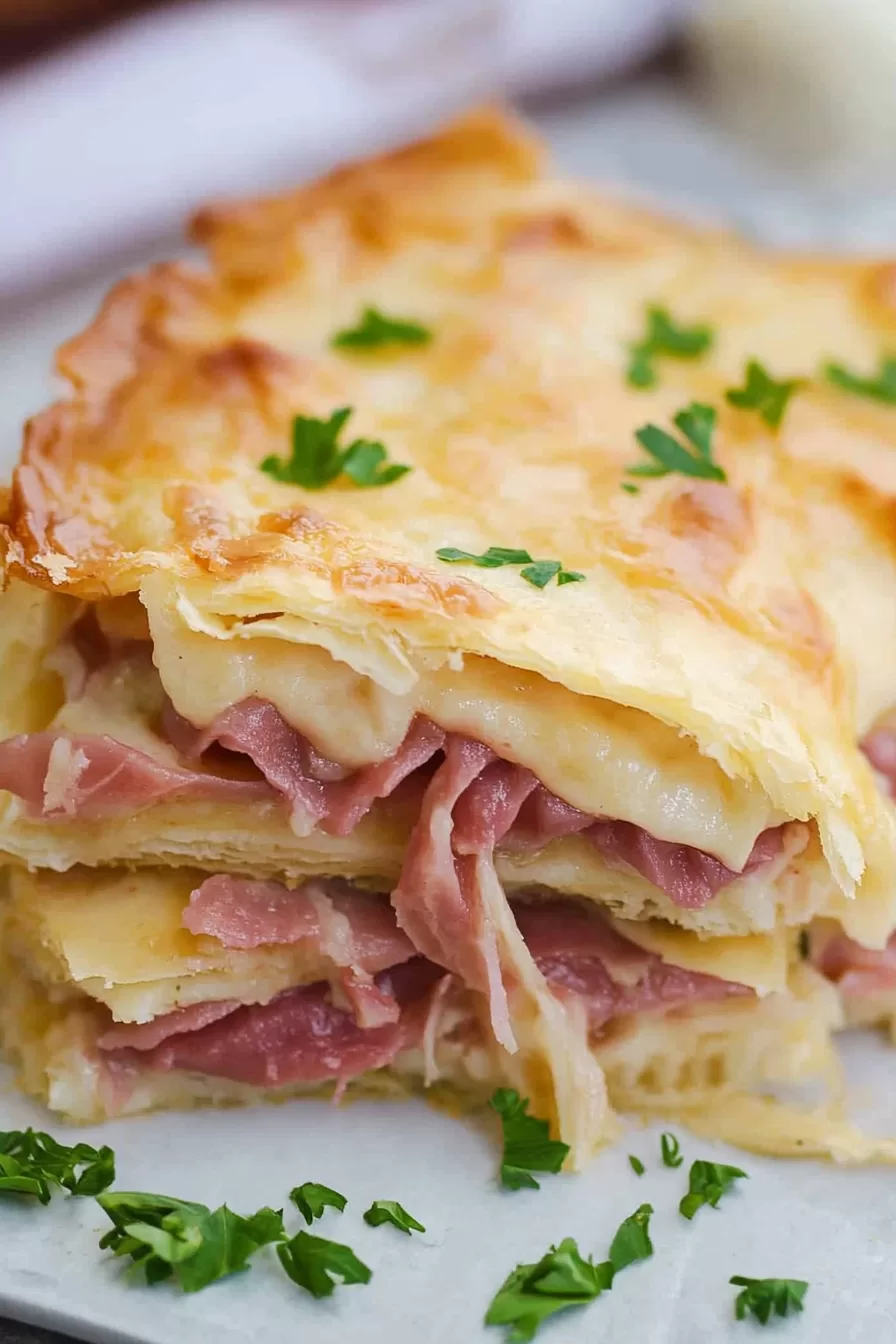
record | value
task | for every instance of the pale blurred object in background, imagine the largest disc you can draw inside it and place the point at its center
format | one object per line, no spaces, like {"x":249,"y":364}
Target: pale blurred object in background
{"x":810,"y":82}
{"x":114,"y":140}
{"x":108,"y":142}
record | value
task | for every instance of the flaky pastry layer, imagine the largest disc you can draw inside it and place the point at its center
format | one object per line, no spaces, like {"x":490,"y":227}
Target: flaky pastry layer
{"x":738,"y":614}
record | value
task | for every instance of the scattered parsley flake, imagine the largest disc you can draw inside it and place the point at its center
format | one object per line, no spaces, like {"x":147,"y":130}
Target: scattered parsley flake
{"x":882,"y":387}
{"x":537,"y":572}
{"x":630,"y":488}
{"x":632,"y":1241}
{"x":316,"y":1264}
{"x":494,"y":558}
{"x":528,"y":1146}
{"x":766,"y":1297}
{"x":34,"y":1163}
{"x":763,"y":394}
{"x":664,"y":337}
{"x":636,"y":1164}
{"x":317,"y":458}
{"x":707,"y":1183}
{"x":375,"y":329}
{"x":311,"y":1199}
{"x":804,"y":944}
{"x":541,"y":572}
{"x":167,"y":1237}
{"x":531,"y":1293}
{"x":390,"y":1211}
{"x":564,"y":1278}
{"x":671,"y":1150}
{"x":697,"y":423}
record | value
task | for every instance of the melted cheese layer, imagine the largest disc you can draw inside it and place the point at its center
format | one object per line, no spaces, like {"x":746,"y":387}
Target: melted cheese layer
{"x":604,"y":758}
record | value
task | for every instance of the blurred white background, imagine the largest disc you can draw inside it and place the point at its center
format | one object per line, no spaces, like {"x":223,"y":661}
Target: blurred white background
{"x":116,"y":119}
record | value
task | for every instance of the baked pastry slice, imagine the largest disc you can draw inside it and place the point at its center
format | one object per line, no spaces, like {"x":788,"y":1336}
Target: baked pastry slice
{"x":124,"y":992}
{"x":338,"y":575}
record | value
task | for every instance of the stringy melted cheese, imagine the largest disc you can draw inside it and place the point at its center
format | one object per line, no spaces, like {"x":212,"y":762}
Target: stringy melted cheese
{"x":604,"y":758}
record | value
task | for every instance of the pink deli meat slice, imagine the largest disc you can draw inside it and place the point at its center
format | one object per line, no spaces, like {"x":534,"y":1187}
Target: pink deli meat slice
{"x":80,"y":775}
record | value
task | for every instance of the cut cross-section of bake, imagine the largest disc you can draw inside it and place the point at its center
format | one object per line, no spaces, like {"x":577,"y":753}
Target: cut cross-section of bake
{"x":467,"y":547}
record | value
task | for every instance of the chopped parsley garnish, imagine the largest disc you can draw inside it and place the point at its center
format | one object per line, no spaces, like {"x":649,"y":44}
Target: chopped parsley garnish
{"x":494,"y":558}
{"x":636,"y":1164}
{"x":33,"y":1163}
{"x":311,"y":1199}
{"x":168,"y":1237}
{"x":707,"y":1183}
{"x":696,"y":423}
{"x":317,"y":457}
{"x":632,"y":1240}
{"x":540,"y":573}
{"x":564,"y":1278}
{"x":664,"y":337}
{"x":764,"y":1298}
{"x":375,"y":329}
{"x":531,"y":1293}
{"x":671,"y":1150}
{"x":316,"y":1264}
{"x":882,"y":387}
{"x":763,"y":394}
{"x":537,"y":572}
{"x":528,"y":1145}
{"x":389,"y":1211}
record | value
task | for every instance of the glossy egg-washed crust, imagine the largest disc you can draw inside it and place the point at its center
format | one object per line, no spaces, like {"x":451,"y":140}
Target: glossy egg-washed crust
{"x":758,"y":617}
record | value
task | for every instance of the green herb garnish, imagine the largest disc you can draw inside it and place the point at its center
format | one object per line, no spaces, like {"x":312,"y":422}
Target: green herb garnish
{"x":764,"y":1298}
{"x":316,"y":1264}
{"x":528,"y":1145}
{"x":375,"y":329}
{"x":564,"y":1278}
{"x":531,"y":1293}
{"x":879,"y":388}
{"x":33,"y":1163}
{"x":494,"y":558}
{"x":389,"y":1211}
{"x":761,"y":393}
{"x":664,"y":337}
{"x":311,"y":1199}
{"x":636,"y":1164}
{"x":696,"y":423}
{"x":707,"y":1183}
{"x":537,"y":572}
{"x":632,"y":1240}
{"x":317,"y":458}
{"x":168,"y":1237}
{"x":671,"y":1150}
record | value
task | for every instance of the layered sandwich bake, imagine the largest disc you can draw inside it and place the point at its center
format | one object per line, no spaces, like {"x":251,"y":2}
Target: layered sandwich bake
{"x":443,"y":644}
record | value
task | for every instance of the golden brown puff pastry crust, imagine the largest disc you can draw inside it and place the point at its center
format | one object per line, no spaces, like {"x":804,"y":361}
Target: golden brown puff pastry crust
{"x":756,"y":617}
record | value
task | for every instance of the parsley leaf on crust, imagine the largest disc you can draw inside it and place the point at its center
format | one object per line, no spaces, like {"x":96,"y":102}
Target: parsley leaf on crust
{"x":763,"y":394}
{"x":881,"y":387}
{"x":696,"y":423}
{"x":317,"y":458}
{"x":664,"y":336}
{"x":374,"y":329}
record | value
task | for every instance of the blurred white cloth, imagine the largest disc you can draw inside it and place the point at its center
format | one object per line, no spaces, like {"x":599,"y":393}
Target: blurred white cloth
{"x":116,"y":140}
